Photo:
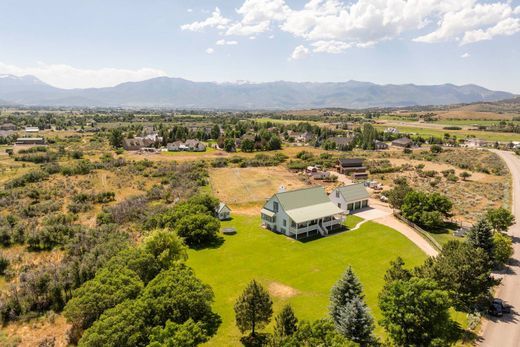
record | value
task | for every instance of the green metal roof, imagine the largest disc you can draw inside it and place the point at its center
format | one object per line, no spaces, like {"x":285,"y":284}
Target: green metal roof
{"x":307,"y":213}
{"x":302,"y":197}
{"x":353,"y":192}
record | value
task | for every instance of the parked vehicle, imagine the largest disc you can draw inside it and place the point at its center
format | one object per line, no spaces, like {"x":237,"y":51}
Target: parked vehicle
{"x":498,"y":308}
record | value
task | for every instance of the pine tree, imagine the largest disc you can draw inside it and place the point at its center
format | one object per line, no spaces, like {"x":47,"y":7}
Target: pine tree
{"x":286,"y":322}
{"x":254,"y":308}
{"x":348,"y":311}
{"x":481,"y":236}
{"x":344,"y":291}
{"x":356,"y":323}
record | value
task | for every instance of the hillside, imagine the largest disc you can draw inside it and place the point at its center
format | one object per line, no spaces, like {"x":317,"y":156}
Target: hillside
{"x":181,"y":93}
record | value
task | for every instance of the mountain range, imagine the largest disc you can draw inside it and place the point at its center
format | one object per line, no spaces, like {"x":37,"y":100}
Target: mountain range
{"x":180,"y":93}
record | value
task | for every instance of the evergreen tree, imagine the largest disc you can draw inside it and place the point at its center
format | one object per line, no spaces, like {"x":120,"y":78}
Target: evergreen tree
{"x":343,"y":292}
{"x":481,"y":236}
{"x":356,"y":323}
{"x":286,"y":322}
{"x":254,"y":308}
{"x":397,"y":271}
{"x":348,"y":311}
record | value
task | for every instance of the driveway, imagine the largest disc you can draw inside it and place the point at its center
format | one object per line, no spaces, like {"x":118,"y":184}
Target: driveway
{"x":505,"y":331}
{"x":383,"y":215}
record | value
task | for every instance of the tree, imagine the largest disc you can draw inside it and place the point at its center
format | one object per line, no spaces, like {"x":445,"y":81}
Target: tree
{"x":481,"y":236}
{"x":464,"y":272}
{"x":166,"y":247}
{"x":247,"y":145}
{"x":316,"y":334}
{"x":286,"y":322}
{"x":502,"y":249}
{"x":428,"y":210}
{"x":397,"y":194}
{"x":368,"y":136}
{"x":464,"y":175}
{"x":229,"y":145}
{"x":254,"y":308}
{"x":348,"y":311}
{"x":116,"y":138}
{"x":435,"y":149}
{"x":416,"y":313}
{"x":500,"y":218}
{"x":356,"y":323}
{"x":198,"y":229}
{"x":274,"y":143}
{"x":345,"y":290}
{"x":187,"y":334}
{"x":215,"y":132}
{"x":396,"y":271}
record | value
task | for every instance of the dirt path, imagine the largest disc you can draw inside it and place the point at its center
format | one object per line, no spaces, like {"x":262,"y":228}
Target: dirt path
{"x":505,"y":331}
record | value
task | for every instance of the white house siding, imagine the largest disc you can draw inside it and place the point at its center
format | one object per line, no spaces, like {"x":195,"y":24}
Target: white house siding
{"x":347,"y":206}
{"x":280,"y":217}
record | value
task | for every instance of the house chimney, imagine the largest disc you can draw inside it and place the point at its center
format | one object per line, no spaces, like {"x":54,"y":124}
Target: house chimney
{"x":281,"y":189}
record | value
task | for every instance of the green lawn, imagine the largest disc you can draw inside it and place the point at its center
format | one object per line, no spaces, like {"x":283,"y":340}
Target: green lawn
{"x":484,"y":135}
{"x":352,"y":221}
{"x":310,"y":269}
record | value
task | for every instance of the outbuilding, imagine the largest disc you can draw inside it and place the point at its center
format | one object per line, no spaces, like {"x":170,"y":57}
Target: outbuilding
{"x":350,"y":198}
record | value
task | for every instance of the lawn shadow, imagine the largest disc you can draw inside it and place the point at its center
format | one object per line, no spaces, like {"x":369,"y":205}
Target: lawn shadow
{"x":213,"y":244}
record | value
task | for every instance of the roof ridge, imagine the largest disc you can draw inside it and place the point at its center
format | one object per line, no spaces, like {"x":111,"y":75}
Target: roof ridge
{"x":296,"y":190}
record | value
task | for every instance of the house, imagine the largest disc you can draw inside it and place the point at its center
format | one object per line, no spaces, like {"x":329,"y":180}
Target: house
{"x":404,"y":142}
{"x":301,"y":213}
{"x":223,"y":211}
{"x":301,"y":137}
{"x":137,"y":143}
{"x":380,"y":145}
{"x":320,"y":175}
{"x":348,"y":165}
{"x":188,"y":146}
{"x":341,"y":141}
{"x":31,"y":129}
{"x":475,"y":143}
{"x":6,"y":133}
{"x":30,"y":141}
{"x":391,"y":131}
{"x":350,"y":198}
{"x":8,"y":126}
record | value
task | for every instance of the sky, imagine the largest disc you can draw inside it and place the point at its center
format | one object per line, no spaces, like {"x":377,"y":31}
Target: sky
{"x":98,"y":43}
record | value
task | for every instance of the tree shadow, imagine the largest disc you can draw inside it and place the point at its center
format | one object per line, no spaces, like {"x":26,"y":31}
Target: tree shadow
{"x":215,"y":243}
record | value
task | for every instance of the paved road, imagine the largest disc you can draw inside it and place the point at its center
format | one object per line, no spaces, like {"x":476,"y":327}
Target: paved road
{"x":505,"y":332}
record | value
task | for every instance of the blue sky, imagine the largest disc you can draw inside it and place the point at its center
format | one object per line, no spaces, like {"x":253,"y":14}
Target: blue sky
{"x":93,"y":43}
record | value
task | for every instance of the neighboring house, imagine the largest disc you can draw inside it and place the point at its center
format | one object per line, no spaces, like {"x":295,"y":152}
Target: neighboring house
{"x":137,"y":143}
{"x":342,"y":141}
{"x":188,"y":146}
{"x":301,"y":137}
{"x":32,"y":129}
{"x":8,"y":126}
{"x":351,"y":197}
{"x":475,"y":143}
{"x":349,"y":165}
{"x":320,"y":175}
{"x":404,"y":142}
{"x":6,"y":133}
{"x":380,"y":145}
{"x":391,"y":131}
{"x":223,"y":211}
{"x":301,"y":213}
{"x":30,"y":141}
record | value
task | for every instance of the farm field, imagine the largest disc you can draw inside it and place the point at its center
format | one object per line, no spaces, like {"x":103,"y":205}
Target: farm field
{"x":251,"y":186}
{"x":301,"y":274}
{"x":423,"y":130}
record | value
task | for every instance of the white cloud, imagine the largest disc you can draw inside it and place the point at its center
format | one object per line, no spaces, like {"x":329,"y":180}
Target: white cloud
{"x":465,"y":55}
{"x":66,"y":76}
{"x":299,"y":52}
{"x":216,"y":20}
{"x":210,"y":50}
{"x":334,"y":47}
{"x":190,"y":10}
{"x":335,"y":25}
{"x":226,"y":43}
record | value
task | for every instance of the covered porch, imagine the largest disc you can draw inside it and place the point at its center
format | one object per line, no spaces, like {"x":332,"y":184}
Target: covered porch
{"x":321,"y":219}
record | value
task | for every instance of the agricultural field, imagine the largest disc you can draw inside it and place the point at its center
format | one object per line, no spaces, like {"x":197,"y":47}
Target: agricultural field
{"x":294,"y":272}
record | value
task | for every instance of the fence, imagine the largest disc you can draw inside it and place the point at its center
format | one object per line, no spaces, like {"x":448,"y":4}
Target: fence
{"x":424,"y":234}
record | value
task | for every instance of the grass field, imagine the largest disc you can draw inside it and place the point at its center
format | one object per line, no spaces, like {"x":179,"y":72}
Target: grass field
{"x":301,"y":274}
{"x":239,"y":186}
{"x":439,"y":132}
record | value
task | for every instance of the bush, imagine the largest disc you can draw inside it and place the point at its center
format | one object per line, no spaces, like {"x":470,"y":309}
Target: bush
{"x":198,"y":229}
{"x":4,"y":264}
{"x":502,"y":250}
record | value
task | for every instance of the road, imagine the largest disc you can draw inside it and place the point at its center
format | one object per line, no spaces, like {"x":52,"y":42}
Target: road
{"x":505,"y":331}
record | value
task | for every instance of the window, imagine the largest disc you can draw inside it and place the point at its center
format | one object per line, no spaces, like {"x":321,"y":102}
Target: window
{"x":284,"y":223}
{"x":339,"y":204}
{"x":275,"y":206}
{"x":337,"y":193}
